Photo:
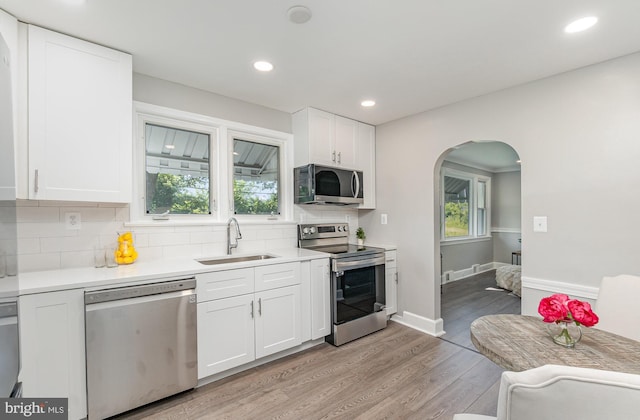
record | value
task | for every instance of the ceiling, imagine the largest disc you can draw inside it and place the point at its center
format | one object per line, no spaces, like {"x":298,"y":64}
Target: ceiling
{"x":491,"y":156}
{"x":408,"y":55}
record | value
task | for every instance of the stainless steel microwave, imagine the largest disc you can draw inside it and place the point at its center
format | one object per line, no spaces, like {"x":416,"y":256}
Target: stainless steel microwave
{"x":315,"y":184}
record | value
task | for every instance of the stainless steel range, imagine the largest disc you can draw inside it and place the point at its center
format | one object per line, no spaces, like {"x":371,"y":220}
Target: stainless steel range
{"x":357,"y":281}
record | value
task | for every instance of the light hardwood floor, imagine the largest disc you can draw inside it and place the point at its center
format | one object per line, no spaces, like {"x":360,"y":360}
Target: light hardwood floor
{"x":396,"y":373}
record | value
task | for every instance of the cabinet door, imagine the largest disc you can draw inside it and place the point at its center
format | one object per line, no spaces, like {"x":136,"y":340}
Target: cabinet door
{"x":225,"y":334}
{"x":79,"y":101}
{"x":366,"y":162}
{"x":391,"y":282}
{"x":52,"y":348}
{"x":320,"y":298}
{"x":346,"y":142}
{"x":277,"y":320}
{"x":321,"y":137}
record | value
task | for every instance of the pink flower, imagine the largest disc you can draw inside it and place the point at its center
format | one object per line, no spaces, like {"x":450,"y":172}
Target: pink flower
{"x":554,"y":308}
{"x":582,"y":313}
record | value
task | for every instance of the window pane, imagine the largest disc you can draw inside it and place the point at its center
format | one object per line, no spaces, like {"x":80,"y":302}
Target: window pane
{"x":456,"y":206}
{"x":256,"y":175}
{"x":177,"y":171}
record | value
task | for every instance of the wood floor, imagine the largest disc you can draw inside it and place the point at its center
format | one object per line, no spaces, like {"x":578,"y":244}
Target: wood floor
{"x":396,"y":373}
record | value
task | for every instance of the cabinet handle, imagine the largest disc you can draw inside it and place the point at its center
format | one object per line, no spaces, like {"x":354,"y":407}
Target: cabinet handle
{"x":396,"y":278}
{"x":251,"y":309}
{"x":260,"y":306}
{"x":36,"y":181}
{"x":333,"y":156}
{"x":340,"y":157}
{"x":391,"y":260}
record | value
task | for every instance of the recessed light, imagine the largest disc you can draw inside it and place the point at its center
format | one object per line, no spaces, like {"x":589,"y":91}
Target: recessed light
{"x":263,"y":66}
{"x":368,"y":103}
{"x":581,"y":24}
{"x":75,"y":2}
{"x":170,"y":146}
{"x":299,"y":14}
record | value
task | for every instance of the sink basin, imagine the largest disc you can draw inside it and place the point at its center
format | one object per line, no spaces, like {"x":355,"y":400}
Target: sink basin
{"x":230,"y":259}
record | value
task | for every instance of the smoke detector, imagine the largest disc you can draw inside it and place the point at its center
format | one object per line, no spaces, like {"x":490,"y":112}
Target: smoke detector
{"x":299,"y":14}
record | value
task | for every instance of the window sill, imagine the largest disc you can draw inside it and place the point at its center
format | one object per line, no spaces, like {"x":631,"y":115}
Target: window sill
{"x":174,"y":223}
{"x":448,"y":242}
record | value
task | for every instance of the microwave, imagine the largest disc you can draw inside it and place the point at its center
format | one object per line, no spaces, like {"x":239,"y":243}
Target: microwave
{"x":316,"y":184}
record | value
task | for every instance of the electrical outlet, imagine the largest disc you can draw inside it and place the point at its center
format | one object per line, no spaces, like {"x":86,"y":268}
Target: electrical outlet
{"x":383,"y":219}
{"x":72,"y":221}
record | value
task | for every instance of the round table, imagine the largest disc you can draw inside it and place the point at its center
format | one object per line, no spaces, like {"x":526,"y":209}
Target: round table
{"x":519,"y":342}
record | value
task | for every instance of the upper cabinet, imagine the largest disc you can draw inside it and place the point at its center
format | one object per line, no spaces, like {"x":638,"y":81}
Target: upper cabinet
{"x":327,"y":139}
{"x":79,"y":127}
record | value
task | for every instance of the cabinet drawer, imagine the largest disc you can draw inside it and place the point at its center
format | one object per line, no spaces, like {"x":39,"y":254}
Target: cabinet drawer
{"x":390,"y":259}
{"x":277,"y":275}
{"x":223,"y":284}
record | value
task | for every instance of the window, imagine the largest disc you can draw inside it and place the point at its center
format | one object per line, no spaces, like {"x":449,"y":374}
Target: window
{"x":186,"y":174}
{"x":465,"y":209}
{"x":177,"y":171}
{"x":256,"y":177}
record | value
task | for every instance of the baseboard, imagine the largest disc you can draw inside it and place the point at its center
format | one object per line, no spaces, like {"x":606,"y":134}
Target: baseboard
{"x":552,"y":286}
{"x":449,"y":276}
{"x":420,"y":323}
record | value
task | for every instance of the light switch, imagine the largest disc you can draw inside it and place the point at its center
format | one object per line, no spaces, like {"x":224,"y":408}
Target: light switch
{"x":539,"y":223}
{"x":383,"y":219}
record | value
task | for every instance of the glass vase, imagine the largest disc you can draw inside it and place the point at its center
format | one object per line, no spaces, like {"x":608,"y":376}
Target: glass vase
{"x":565,"y":333}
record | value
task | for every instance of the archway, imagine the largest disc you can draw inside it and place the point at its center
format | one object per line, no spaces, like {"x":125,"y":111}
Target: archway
{"x":477,"y":224}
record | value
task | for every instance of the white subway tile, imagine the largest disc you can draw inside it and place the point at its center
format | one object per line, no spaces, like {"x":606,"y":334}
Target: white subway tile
{"x":38,"y":214}
{"x":91,"y":214}
{"x":76,"y":259}
{"x":69,"y":244}
{"x":29,"y":246}
{"x":169,"y":238}
{"x":193,"y":251}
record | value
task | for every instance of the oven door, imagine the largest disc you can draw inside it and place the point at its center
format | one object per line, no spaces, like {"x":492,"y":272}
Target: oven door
{"x":358,"y":287}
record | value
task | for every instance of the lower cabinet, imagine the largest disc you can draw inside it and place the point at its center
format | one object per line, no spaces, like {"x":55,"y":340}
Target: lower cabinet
{"x":236,"y":330}
{"x":52,"y":348}
{"x":391,"y":282}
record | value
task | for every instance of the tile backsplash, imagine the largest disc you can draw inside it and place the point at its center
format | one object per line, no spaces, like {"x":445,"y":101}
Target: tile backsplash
{"x":46,"y":242}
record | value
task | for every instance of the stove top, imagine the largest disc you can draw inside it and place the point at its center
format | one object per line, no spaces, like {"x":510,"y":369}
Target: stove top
{"x":332,"y":238}
{"x":346,"y":250}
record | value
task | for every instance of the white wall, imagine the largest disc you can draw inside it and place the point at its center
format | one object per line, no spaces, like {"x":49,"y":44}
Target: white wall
{"x":577,"y":135}
{"x":173,"y":95}
{"x":506,"y":215}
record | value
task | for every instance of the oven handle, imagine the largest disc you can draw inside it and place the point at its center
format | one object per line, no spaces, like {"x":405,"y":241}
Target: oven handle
{"x":354,"y":265}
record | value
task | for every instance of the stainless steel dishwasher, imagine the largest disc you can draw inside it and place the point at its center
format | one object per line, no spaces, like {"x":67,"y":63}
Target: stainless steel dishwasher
{"x":140,"y":345}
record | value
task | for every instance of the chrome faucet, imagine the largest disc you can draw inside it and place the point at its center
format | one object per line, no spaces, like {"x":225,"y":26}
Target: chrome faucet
{"x":238,"y":235}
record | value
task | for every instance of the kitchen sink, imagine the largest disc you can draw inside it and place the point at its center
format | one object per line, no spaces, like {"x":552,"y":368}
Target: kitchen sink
{"x":229,"y":260}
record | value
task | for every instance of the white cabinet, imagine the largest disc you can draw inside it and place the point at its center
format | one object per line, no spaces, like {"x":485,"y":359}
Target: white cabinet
{"x":277,"y":320}
{"x":79,"y":126}
{"x":52,"y":348}
{"x":324,"y":138}
{"x":234,"y":330}
{"x":225,"y":334}
{"x":366,"y":161}
{"x":8,"y":104}
{"x":320,"y":298}
{"x":391,"y":282}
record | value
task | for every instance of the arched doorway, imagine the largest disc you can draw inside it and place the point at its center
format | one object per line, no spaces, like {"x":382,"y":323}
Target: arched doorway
{"x":478,"y":199}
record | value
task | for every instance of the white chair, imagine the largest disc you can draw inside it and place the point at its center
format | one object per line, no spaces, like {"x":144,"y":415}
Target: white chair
{"x":565,"y":392}
{"x":617,"y":306}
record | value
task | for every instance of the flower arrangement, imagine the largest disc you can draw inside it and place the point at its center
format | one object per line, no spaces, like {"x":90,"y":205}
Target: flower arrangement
{"x":560,"y":308}
{"x":564,"y":311}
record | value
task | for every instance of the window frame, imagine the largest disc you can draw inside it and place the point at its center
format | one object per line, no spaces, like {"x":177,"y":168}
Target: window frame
{"x":220,"y":165}
{"x":284,"y":183}
{"x":474,"y":179}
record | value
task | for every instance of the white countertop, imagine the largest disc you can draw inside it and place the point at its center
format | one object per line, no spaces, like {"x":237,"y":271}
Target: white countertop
{"x":146,"y":272}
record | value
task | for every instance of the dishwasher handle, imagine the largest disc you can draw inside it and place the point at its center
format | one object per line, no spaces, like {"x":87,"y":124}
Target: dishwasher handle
{"x":124,"y":293}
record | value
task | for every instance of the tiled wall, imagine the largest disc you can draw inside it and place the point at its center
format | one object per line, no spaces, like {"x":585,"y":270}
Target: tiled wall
{"x":45,"y":243}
